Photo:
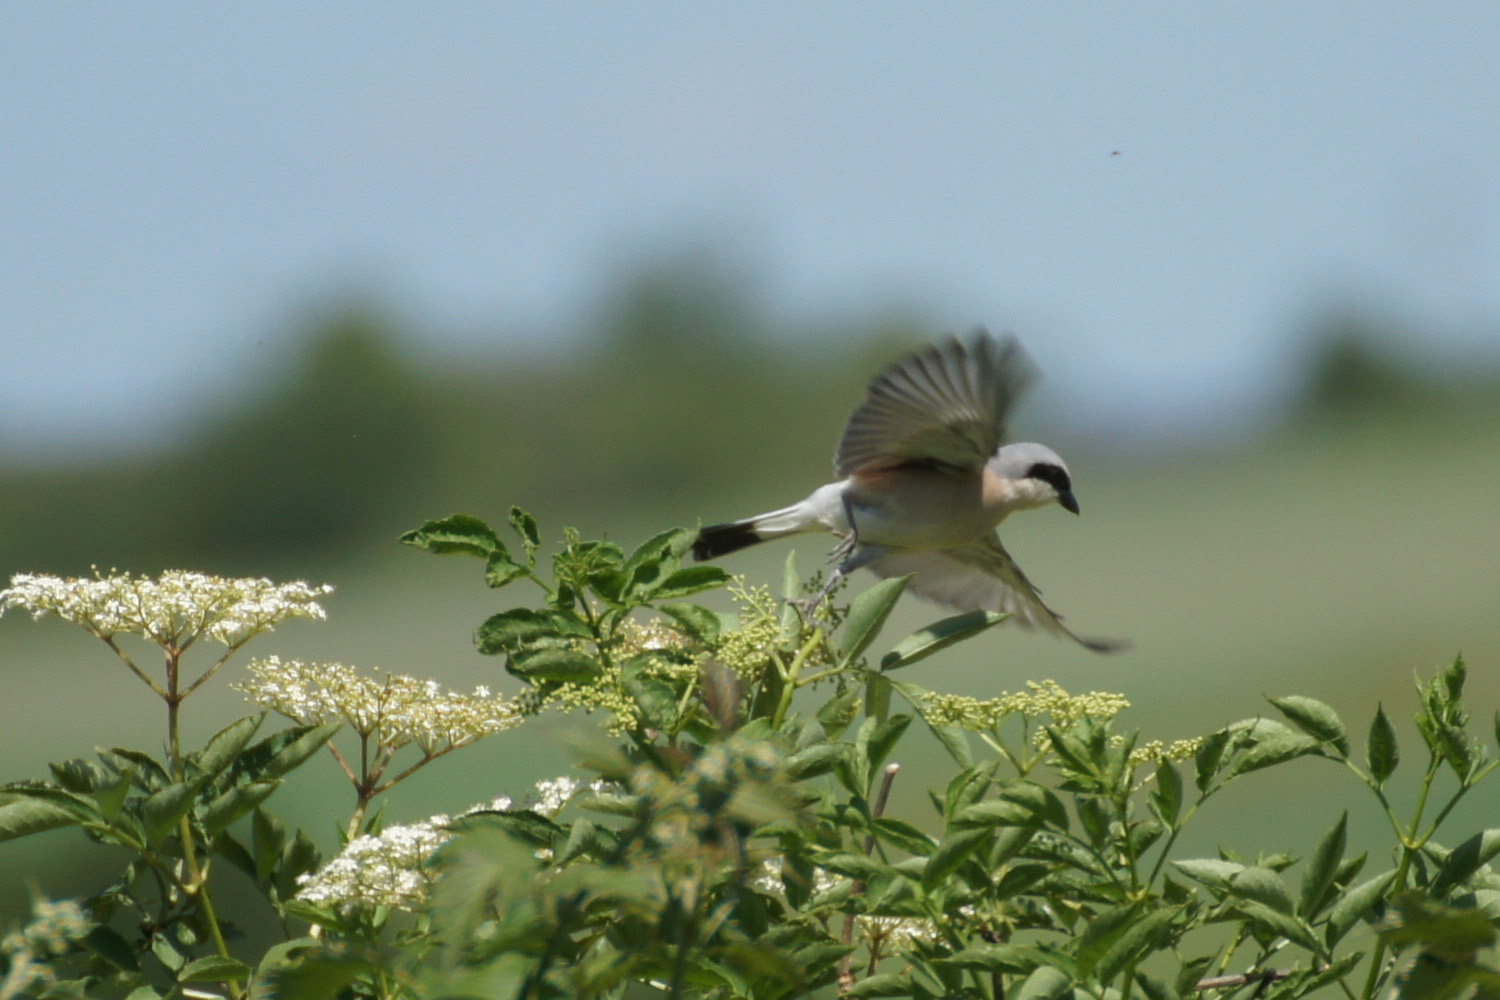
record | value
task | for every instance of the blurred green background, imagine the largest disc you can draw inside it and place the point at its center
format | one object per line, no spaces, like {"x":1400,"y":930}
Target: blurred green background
{"x":1347,"y":541}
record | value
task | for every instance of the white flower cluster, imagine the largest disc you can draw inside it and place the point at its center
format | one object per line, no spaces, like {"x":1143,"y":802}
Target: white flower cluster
{"x":385,"y":870}
{"x":889,"y":932}
{"x":171,"y":611}
{"x":391,"y":869}
{"x":54,"y":927}
{"x":396,"y":711}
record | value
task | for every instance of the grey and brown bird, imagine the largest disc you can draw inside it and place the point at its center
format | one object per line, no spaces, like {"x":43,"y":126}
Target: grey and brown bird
{"x":925,"y":480}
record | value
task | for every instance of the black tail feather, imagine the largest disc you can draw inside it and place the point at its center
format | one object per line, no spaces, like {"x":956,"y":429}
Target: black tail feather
{"x":720,"y":539}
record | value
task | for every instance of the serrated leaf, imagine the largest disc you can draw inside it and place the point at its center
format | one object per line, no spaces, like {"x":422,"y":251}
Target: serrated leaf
{"x":890,"y":985}
{"x":510,"y":631}
{"x":1353,"y":904}
{"x":524,"y":525}
{"x":695,"y":621}
{"x":690,"y":580}
{"x":1045,"y":983}
{"x":233,"y":804}
{"x":79,"y":775}
{"x":903,"y":835}
{"x":939,"y":636}
{"x":226,"y":744}
{"x":215,"y":969}
{"x":164,"y":809}
{"x":997,"y":812}
{"x":867,"y":615}
{"x":956,"y":848}
{"x":1140,"y":934}
{"x":1322,"y":866}
{"x":500,"y":570}
{"x":883,"y":739}
{"x":1464,"y":860}
{"x":298,"y":749}
{"x":1167,"y":796}
{"x":1272,"y":749}
{"x":877,"y":696}
{"x":1212,"y":872}
{"x":114,"y":949}
{"x":1381,"y":751}
{"x":21,"y":817}
{"x":656,"y":700}
{"x":1100,"y":935}
{"x":555,"y":665}
{"x":455,"y":534}
{"x":316,"y":978}
{"x":1263,"y":886}
{"x":1316,"y":719}
{"x":1210,"y":757}
{"x":1012,"y":958}
{"x":818,"y":759}
{"x":1278,"y":922}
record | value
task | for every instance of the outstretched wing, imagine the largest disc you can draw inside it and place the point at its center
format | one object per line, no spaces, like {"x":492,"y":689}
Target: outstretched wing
{"x":945,"y":404}
{"x":982,"y":577}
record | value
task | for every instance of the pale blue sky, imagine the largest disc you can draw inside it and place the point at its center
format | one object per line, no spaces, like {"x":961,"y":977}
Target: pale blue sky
{"x":176,"y":180}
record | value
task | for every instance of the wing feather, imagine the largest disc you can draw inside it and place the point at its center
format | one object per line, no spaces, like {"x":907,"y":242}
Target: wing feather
{"x":946,"y":404}
{"x":982,"y":577}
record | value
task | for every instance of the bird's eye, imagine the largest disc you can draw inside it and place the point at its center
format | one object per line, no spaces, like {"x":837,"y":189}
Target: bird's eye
{"x":1051,"y":475}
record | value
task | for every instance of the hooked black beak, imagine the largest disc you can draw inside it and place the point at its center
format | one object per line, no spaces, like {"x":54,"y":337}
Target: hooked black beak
{"x":1068,"y":500}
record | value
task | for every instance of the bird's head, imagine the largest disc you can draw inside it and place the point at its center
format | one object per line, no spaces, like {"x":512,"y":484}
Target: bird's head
{"x":1027,"y":475}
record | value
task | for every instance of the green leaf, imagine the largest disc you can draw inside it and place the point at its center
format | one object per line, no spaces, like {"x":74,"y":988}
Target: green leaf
{"x":1315,"y":719}
{"x":510,"y":631}
{"x":225,"y":745}
{"x":1167,"y":796}
{"x":1046,"y":983}
{"x":654,"y":560}
{"x":267,"y":839}
{"x":877,"y":696}
{"x":293,"y":752}
{"x":1282,"y":923}
{"x":903,"y":835}
{"x":690,"y":580}
{"x":555,"y":665}
{"x":214,"y":968}
{"x":694,"y":621}
{"x":867,"y":615}
{"x":456,"y":533}
{"x":1100,"y":935}
{"x":1452,"y":933}
{"x":524,"y":525}
{"x":1138,"y":938}
{"x":79,"y":775}
{"x":235,"y":803}
{"x":1464,"y":860}
{"x":818,"y":759}
{"x":1355,"y":903}
{"x":1014,"y":958}
{"x":21,"y":817}
{"x":656,"y":700}
{"x":883,"y":739}
{"x":1322,"y":866}
{"x":1212,"y":872}
{"x":500,"y":570}
{"x":938,"y":636}
{"x":956,"y":848}
{"x":1263,"y":886}
{"x":314,"y":979}
{"x":997,"y":812}
{"x":114,"y":949}
{"x":1210,"y":758}
{"x":1273,"y":745}
{"x":162,"y":810}
{"x":1381,"y":752}
{"x":882,"y":986}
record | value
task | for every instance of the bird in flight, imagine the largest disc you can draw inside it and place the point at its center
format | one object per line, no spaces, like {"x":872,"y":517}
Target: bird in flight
{"x":924,"y":482}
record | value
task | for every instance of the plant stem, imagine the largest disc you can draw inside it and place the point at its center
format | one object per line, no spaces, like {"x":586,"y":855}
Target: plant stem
{"x":789,"y":683}
{"x":1410,"y":845}
{"x":197,"y":880}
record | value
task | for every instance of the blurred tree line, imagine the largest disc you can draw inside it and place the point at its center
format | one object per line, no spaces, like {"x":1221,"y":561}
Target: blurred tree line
{"x":679,"y":390}
{"x":680,"y":402}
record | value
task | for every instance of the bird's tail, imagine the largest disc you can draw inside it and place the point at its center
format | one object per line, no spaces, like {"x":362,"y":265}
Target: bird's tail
{"x":721,"y":539}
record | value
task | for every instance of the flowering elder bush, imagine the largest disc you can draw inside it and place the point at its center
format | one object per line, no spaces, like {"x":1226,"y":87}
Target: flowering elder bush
{"x":731,"y":838}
